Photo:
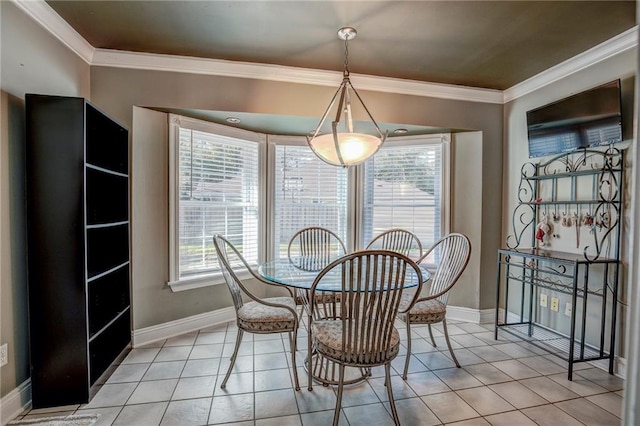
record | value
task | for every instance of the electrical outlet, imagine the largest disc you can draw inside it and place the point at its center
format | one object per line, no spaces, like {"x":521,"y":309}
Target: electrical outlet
{"x":568,"y":309}
{"x":543,"y":300}
{"x":555,"y":304}
{"x":4,"y":354}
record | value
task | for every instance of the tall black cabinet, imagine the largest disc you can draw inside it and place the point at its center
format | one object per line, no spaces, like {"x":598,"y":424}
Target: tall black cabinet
{"x":78,"y":246}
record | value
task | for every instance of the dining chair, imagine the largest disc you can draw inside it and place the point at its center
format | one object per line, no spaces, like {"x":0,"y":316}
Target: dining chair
{"x":258,"y":315}
{"x":398,"y":240}
{"x":312,"y":248}
{"x":315,"y":247}
{"x":452,"y":254}
{"x":361,"y":333}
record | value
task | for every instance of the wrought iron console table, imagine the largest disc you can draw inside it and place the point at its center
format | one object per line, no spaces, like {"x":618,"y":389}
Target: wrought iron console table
{"x":573,"y":195}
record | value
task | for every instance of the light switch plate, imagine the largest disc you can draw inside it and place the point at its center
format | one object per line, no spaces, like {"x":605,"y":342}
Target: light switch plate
{"x":543,"y":300}
{"x":4,"y":354}
{"x":568,"y":309}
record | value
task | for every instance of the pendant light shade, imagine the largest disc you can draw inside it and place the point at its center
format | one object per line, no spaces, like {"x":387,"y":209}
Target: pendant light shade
{"x":346,"y":143}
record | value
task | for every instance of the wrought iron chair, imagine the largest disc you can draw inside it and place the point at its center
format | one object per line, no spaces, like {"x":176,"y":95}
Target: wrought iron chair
{"x":361,"y":333}
{"x":261,"y":316}
{"x":312,"y":249}
{"x":398,"y":240}
{"x":453,"y":252}
{"x":316,"y":246}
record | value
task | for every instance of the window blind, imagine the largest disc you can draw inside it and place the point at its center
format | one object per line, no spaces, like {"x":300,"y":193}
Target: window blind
{"x":218,"y":193}
{"x":403,"y":189}
{"x":308,"y":192}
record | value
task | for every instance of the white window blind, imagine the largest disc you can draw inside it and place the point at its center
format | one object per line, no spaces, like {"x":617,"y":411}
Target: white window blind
{"x":218,"y":193}
{"x":403,"y":188}
{"x":308,"y":192}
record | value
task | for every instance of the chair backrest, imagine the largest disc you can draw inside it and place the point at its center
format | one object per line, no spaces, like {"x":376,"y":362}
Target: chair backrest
{"x":453,"y":252}
{"x":398,"y":240}
{"x":227,"y":253}
{"x":372,"y":286}
{"x":317,"y":244}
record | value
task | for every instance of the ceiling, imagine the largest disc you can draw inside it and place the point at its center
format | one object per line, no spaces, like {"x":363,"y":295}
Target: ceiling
{"x":483,"y":44}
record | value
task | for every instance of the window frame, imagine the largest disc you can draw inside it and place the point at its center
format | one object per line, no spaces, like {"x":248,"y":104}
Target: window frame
{"x":442,"y":139}
{"x":176,"y":122}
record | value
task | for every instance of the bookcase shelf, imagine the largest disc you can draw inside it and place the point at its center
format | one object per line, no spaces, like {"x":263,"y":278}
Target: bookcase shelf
{"x":78,"y":247}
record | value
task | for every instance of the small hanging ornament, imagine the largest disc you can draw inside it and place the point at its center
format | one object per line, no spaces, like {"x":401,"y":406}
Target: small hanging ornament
{"x":543,"y":229}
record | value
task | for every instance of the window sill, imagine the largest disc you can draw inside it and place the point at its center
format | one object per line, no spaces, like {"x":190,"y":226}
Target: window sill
{"x":201,"y":281}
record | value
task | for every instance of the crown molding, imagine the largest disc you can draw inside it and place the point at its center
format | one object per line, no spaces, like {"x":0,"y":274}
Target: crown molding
{"x":614,"y":46}
{"x":44,"y":15}
{"x":194,"y":65}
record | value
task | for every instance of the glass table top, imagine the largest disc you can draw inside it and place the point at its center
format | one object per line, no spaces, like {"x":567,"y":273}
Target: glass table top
{"x":301,"y":272}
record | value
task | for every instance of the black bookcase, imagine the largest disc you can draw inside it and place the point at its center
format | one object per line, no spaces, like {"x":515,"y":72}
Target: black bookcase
{"x":78,"y":246}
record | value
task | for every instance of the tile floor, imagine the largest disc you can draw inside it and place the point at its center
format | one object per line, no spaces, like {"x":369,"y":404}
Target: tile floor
{"x":503,"y":382}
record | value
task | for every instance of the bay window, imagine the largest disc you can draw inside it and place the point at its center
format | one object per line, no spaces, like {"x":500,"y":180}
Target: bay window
{"x":258,"y":190}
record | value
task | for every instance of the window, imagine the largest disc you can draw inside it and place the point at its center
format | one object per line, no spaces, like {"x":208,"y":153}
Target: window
{"x":258,"y":194}
{"x":307,"y":192}
{"x":216,"y":177}
{"x":404,"y":187}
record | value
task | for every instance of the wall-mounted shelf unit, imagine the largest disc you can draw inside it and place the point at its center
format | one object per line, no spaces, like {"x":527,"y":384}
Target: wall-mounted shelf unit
{"x":78,"y":246}
{"x":569,"y":212}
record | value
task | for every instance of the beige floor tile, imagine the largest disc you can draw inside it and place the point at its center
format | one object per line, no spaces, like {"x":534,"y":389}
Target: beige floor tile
{"x":449,"y":407}
{"x":542,"y":365}
{"x":231,"y":408}
{"x":275,"y":403}
{"x":488,"y":374}
{"x":414,"y":411}
{"x":426,"y":383}
{"x":515,"y":369}
{"x":367,"y":415}
{"x":602,"y":378}
{"x":518,"y":395}
{"x":610,"y":401}
{"x":549,"y":415}
{"x":588,"y":412}
{"x":457,"y":378}
{"x":188,"y":412}
{"x":293,"y":420}
{"x":478,"y":421}
{"x":141,"y":414}
{"x":548,"y":389}
{"x":484,"y":400}
{"x":511,"y":418}
{"x":579,"y":385}
{"x":194,"y":387}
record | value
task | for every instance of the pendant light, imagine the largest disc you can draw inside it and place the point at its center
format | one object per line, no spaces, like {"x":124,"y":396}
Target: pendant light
{"x":344,"y":144}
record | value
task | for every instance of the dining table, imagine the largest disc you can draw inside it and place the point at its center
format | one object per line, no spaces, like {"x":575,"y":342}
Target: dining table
{"x":299,"y":274}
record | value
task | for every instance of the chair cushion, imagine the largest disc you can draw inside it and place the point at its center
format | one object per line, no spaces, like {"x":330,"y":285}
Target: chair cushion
{"x":256,"y":317}
{"x":424,"y":312}
{"x":327,"y":339}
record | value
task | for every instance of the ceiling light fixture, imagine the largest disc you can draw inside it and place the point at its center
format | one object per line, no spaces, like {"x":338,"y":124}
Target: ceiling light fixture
{"x":343,"y":144}
{"x":232,"y":120}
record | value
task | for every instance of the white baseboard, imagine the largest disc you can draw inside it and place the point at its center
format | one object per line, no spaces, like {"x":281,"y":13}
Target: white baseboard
{"x":477,"y":316}
{"x":169,"y":329}
{"x":15,"y":402}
